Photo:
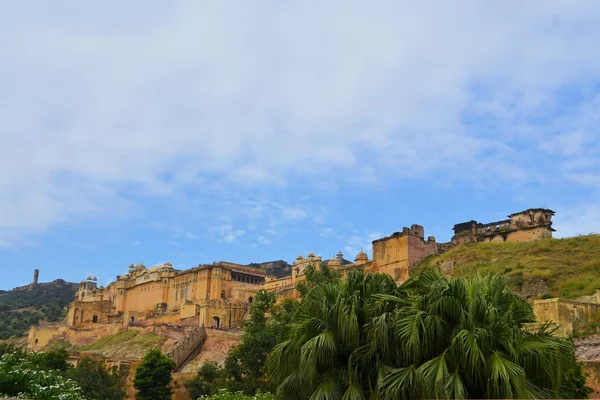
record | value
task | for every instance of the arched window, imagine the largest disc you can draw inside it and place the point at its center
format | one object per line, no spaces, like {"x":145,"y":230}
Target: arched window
{"x":95,"y":319}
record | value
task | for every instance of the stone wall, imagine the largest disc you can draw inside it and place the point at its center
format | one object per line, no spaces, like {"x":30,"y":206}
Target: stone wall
{"x":534,"y":286}
{"x":191,"y":343}
{"x":565,"y":313}
{"x":418,"y":250}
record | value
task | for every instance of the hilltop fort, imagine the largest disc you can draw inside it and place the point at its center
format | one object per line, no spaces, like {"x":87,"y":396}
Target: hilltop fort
{"x":219,"y":294}
{"x":181,"y":306}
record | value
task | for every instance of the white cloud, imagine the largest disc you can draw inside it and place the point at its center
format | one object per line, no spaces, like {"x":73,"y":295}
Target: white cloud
{"x":293,"y":214}
{"x":354,"y":244}
{"x":264,"y":240}
{"x":173,"y":243}
{"x":330,"y":233}
{"x":578,"y":219}
{"x":261,"y":94}
{"x":137,"y":243}
{"x":191,"y":236}
{"x":261,"y":240}
{"x":227,"y":233}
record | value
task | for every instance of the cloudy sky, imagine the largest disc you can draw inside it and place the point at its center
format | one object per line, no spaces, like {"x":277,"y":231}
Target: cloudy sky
{"x":192,"y":132}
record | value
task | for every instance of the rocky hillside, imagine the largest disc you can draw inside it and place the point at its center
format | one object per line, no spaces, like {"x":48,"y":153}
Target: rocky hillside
{"x":20,"y":308}
{"x":567,"y":268}
{"x":278,"y":268}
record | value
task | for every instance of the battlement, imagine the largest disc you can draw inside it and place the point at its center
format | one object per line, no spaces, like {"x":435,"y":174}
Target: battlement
{"x":414,"y":230}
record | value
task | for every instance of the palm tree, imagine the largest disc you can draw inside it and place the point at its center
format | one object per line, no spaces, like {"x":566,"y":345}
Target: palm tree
{"x":432,"y":337}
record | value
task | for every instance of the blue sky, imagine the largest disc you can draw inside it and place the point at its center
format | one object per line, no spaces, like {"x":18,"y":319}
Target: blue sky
{"x":193,"y":132}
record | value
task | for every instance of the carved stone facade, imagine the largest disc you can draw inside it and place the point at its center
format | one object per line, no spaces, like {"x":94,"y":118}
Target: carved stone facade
{"x":218,"y":293}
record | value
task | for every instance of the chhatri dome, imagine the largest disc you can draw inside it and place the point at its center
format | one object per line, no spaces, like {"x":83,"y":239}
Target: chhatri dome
{"x":334,"y":262}
{"x":361,"y":256}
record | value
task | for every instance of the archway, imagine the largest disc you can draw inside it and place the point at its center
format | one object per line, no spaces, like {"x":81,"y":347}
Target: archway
{"x":250,"y":299}
{"x":131,"y":320}
{"x":95,"y":319}
{"x":217,"y":322}
{"x":222,"y":294}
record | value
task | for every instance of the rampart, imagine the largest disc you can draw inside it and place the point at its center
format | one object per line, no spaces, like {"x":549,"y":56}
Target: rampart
{"x":188,"y":346}
{"x":567,"y":314}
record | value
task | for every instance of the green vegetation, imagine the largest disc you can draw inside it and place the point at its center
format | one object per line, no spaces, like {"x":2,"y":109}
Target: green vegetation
{"x":21,"y":309}
{"x":224,"y":394}
{"x":244,"y":371}
{"x":153,"y":377}
{"x":315,"y":277}
{"x":570,"y":266}
{"x":48,"y":376}
{"x":432,"y":337}
{"x":133,"y":340}
{"x":206,"y":381}
{"x":245,"y":366}
{"x":96,"y":381}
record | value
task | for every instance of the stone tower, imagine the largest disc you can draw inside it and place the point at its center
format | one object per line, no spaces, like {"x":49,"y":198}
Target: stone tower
{"x":36,"y":273}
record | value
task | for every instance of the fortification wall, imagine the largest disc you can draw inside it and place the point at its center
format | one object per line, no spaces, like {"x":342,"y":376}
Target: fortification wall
{"x":565,"y":313}
{"x":193,"y":340}
{"x":419,"y":250}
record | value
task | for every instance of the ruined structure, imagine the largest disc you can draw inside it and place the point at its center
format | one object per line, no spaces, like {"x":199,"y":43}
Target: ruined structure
{"x":524,"y":226}
{"x":36,"y":274}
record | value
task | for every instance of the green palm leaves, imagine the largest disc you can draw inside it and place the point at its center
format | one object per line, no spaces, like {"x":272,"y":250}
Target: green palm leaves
{"x":432,"y":337}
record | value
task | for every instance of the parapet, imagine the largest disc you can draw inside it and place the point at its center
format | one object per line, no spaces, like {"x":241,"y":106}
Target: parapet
{"x":414,"y":230}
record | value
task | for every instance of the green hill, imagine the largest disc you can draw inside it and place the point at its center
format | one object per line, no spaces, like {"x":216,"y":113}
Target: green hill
{"x":570,"y":267}
{"x":21,"y":308}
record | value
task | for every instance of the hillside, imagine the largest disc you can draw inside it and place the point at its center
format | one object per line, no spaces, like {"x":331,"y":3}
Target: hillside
{"x":21,"y":308}
{"x":569,"y":267}
{"x":277,"y":268}
{"x":129,"y":344}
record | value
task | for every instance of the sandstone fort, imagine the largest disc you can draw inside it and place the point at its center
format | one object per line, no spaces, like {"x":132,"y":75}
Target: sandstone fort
{"x":219,"y":294}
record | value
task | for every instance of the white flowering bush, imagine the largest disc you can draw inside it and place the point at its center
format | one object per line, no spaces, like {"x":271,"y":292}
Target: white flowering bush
{"x":21,"y":378}
{"x":223,"y":394}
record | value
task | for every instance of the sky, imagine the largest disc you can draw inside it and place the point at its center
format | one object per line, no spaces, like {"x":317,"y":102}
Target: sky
{"x":193,"y":132}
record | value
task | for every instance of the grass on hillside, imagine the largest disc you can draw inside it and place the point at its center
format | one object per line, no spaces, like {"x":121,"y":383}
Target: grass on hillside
{"x":570,"y":266}
{"x":131,"y":339}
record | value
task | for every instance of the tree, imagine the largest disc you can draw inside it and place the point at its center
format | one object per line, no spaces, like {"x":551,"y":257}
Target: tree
{"x":245,"y":364}
{"x":9,"y":348}
{"x":21,"y":376}
{"x":96,"y":381}
{"x":432,"y":337}
{"x":204,"y":383}
{"x":314,"y":277}
{"x":54,"y":360}
{"x":153,"y":377}
{"x":224,"y":394}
